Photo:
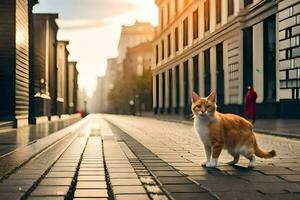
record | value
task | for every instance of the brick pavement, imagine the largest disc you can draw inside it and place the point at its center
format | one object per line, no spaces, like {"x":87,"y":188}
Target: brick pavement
{"x":178,"y":146}
{"x":142,"y":158}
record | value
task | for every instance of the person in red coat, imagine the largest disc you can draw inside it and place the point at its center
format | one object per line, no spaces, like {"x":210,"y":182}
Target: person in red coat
{"x":250,"y":104}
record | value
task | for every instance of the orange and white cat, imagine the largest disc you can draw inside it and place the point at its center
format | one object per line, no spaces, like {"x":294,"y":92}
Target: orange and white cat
{"x":224,"y":131}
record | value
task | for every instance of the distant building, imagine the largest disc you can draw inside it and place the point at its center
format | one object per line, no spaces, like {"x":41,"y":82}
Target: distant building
{"x":43,"y":83}
{"x":138,"y":62}
{"x":62,"y":77}
{"x":72,"y":87}
{"x":225,"y":46}
{"x":14,"y":61}
{"x":131,"y":36}
{"x":108,"y":83}
{"x":138,"y":59}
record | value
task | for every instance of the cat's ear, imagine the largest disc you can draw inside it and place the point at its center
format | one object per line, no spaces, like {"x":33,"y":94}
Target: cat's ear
{"x":212,"y":97}
{"x":195,"y":96}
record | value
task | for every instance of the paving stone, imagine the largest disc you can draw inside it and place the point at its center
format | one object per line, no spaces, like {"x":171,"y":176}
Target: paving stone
{"x":60,"y":175}
{"x":283,"y":197}
{"x":45,"y":198}
{"x":91,"y":193}
{"x":50,"y":191}
{"x":185,"y":196}
{"x":232,"y":195}
{"x":18,"y":182}
{"x":132,"y":197}
{"x":279,"y":172}
{"x":291,"y":178}
{"x":91,"y":178}
{"x":122,"y":175}
{"x":56,"y":182}
{"x":167,"y":174}
{"x":4,"y":188}
{"x":91,"y":185}
{"x":91,"y":169}
{"x":63,"y":169}
{"x":25,"y":177}
{"x":186,"y":188}
{"x":120,"y":170}
{"x":124,"y":182}
{"x":90,"y":198}
{"x":277,"y":188}
{"x":168,"y":168}
{"x":66,"y":164}
{"x":174,"y":180}
{"x":270,"y":179}
{"x":128,"y":190}
{"x":153,"y":189}
{"x":91,"y":173}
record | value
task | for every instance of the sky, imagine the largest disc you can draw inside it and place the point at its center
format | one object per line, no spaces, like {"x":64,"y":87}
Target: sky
{"x":93,"y":29}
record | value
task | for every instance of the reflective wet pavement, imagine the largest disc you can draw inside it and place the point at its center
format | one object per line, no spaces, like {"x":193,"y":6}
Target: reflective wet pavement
{"x":122,"y":157}
{"x":15,"y":138}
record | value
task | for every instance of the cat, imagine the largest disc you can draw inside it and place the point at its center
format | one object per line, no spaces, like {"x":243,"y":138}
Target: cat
{"x":224,"y":131}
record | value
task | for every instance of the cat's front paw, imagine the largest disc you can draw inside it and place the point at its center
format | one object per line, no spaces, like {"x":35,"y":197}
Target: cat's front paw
{"x":212,"y":164}
{"x":204,"y":163}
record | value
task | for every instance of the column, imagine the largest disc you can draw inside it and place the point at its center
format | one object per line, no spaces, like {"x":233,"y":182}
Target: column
{"x":201,"y":73}
{"x":213,"y":68}
{"x":191,"y":78}
{"x":181,"y":87}
{"x":154,"y":92}
{"x":258,"y":61}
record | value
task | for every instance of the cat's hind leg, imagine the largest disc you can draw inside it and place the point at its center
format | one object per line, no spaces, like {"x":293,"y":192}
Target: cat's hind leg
{"x":249,"y":154}
{"x":235,"y":160}
{"x":251,"y":162}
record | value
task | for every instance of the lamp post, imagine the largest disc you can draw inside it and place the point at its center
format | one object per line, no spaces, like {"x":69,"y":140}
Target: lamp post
{"x":85,"y":107}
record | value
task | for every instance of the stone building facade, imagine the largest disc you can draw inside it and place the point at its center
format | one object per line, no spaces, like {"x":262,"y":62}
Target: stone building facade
{"x":44,"y":73}
{"x":205,"y":45}
{"x":14,"y":61}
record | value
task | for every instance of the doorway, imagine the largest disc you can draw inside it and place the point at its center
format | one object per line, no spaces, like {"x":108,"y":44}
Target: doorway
{"x":270,"y":59}
{"x":220,"y":74}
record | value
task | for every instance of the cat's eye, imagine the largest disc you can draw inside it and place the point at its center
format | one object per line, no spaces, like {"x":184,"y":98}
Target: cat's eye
{"x":207,"y":106}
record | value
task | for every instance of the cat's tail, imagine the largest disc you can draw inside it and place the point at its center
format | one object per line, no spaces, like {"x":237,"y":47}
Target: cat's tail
{"x":262,"y":154}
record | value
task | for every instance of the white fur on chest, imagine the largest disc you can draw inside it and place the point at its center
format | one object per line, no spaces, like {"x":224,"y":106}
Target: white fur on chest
{"x":201,"y":128}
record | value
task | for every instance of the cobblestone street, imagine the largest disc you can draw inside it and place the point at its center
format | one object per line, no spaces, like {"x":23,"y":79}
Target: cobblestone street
{"x":123,"y":157}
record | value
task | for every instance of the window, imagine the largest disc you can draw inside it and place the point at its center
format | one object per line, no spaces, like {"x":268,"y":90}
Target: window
{"x":162,"y":49}
{"x":195,"y":24}
{"x":162,"y":19}
{"x":176,"y":39}
{"x":176,"y":6}
{"x":156,"y":54}
{"x":185,"y":3}
{"x":206,"y":15}
{"x":196,"y":73}
{"x":247,"y":2}
{"x":230,"y":7}
{"x":185,"y":32}
{"x":168,"y":13}
{"x":169,"y":45}
{"x":218,"y":11}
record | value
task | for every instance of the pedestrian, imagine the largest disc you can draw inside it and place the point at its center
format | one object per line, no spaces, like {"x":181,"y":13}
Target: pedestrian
{"x":250,"y":104}
{"x":132,"y":107}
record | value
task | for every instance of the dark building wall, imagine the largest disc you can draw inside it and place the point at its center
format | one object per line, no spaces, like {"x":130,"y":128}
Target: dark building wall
{"x":22,"y":59}
{"x":52,"y":66}
{"x":76,"y":91}
{"x":14,"y":60}
{"x":44,"y":66}
{"x":7,"y":59}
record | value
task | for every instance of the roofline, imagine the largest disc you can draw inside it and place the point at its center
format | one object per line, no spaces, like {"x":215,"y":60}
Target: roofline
{"x":50,"y":15}
{"x":64,"y":41}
